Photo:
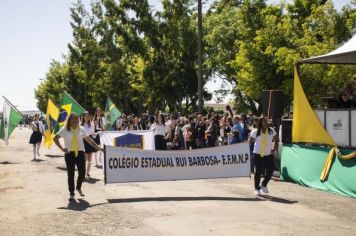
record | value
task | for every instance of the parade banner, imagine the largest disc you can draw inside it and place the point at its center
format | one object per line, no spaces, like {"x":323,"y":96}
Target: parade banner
{"x":141,"y":139}
{"x":135,"y":165}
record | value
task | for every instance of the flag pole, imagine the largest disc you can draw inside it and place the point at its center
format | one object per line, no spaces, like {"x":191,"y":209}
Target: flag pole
{"x":13,"y":106}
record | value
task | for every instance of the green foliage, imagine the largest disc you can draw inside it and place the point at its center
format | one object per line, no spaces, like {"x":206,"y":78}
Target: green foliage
{"x":146,"y":61}
{"x":53,"y":85}
{"x":268,"y":39}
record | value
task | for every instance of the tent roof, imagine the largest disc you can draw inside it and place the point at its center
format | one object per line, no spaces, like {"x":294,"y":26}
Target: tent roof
{"x":346,"y":54}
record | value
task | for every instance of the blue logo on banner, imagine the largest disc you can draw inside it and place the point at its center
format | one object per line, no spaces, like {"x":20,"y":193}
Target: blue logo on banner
{"x":129,"y":140}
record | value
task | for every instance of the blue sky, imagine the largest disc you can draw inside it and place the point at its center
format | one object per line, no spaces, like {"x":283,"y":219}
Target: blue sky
{"x":32,"y":34}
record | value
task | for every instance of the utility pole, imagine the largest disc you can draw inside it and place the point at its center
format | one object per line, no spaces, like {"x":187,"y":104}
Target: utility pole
{"x":200,"y":59}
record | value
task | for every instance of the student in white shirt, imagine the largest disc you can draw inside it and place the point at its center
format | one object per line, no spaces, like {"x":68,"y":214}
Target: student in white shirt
{"x":89,"y":149}
{"x":36,"y":136}
{"x":160,"y":130}
{"x":99,"y":126}
{"x":263,"y":137}
{"x":73,"y":136}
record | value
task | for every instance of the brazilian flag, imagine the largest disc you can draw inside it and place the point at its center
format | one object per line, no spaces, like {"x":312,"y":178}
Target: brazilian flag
{"x":75,"y":107}
{"x":51,"y":122}
{"x":111,"y":113}
{"x":68,"y":105}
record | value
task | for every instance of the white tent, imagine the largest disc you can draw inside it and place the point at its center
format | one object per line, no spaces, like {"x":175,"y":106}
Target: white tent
{"x":346,"y":54}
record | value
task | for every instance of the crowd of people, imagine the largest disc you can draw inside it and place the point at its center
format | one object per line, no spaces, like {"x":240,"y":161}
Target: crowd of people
{"x":176,"y":132}
{"x":171,"y":132}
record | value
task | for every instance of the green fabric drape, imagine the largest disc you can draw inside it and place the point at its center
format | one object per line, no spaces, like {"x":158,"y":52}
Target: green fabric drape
{"x":303,"y":164}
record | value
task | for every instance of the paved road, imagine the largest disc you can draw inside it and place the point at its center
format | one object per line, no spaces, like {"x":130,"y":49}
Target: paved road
{"x":34,"y":201}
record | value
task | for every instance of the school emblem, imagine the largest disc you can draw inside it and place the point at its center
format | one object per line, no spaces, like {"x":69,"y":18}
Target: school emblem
{"x":129,"y":140}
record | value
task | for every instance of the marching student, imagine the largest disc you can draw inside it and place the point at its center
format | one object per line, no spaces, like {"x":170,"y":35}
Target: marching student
{"x":263,"y":137}
{"x":89,"y":149}
{"x":73,"y":135}
{"x":36,"y":136}
{"x":99,"y":125}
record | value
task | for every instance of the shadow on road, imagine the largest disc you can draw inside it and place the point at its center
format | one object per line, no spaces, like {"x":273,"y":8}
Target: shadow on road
{"x":79,"y":205}
{"x":178,"y":199}
{"x":277,"y":199}
{"x":8,"y":163}
{"x":61,"y":168}
{"x":37,"y":160}
{"x":53,"y":156}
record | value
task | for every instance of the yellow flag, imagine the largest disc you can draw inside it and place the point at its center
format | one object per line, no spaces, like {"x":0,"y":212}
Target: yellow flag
{"x":51,"y":121}
{"x":306,"y":125}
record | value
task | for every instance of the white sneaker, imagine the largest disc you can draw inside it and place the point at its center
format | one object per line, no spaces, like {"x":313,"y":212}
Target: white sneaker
{"x":257,"y":192}
{"x":264,"y":189}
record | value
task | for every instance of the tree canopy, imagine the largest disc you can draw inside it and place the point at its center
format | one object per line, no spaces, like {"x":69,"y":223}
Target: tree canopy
{"x":146,"y":60}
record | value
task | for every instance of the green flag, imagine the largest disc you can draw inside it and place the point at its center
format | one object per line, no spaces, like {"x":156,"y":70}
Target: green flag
{"x":67,"y":99}
{"x":10,"y":118}
{"x":111,"y":113}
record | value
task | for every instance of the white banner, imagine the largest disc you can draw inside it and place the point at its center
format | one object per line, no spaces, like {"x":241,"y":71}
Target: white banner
{"x":134,"y":139}
{"x":135,"y":165}
{"x":337,"y":125}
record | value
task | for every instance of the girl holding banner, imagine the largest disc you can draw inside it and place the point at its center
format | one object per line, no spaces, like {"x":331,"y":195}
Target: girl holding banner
{"x":159,"y":131}
{"x":263,"y":137}
{"x":73,"y":136}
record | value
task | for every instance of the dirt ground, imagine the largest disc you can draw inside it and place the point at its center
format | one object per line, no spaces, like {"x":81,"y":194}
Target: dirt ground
{"x":34,"y":201}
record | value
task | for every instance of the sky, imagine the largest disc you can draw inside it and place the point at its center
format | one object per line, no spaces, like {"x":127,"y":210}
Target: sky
{"x":33,"y":33}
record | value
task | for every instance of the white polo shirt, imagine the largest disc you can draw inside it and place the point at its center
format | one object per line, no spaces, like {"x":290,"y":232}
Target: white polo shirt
{"x":89,"y":129}
{"x":159,"y":129}
{"x":258,"y":140}
{"x":38,"y":125}
{"x":68,"y":137}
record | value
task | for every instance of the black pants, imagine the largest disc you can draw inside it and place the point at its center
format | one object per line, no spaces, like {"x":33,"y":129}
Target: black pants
{"x":265,"y":162}
{"x":71,"y":161}
{"x":160,"y":143}
{"x":211,"y":141}
{"x":188,"y":145}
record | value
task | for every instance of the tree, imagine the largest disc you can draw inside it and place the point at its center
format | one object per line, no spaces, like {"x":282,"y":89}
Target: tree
{"x":147,"y":61}
{"x":52,"y":85}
